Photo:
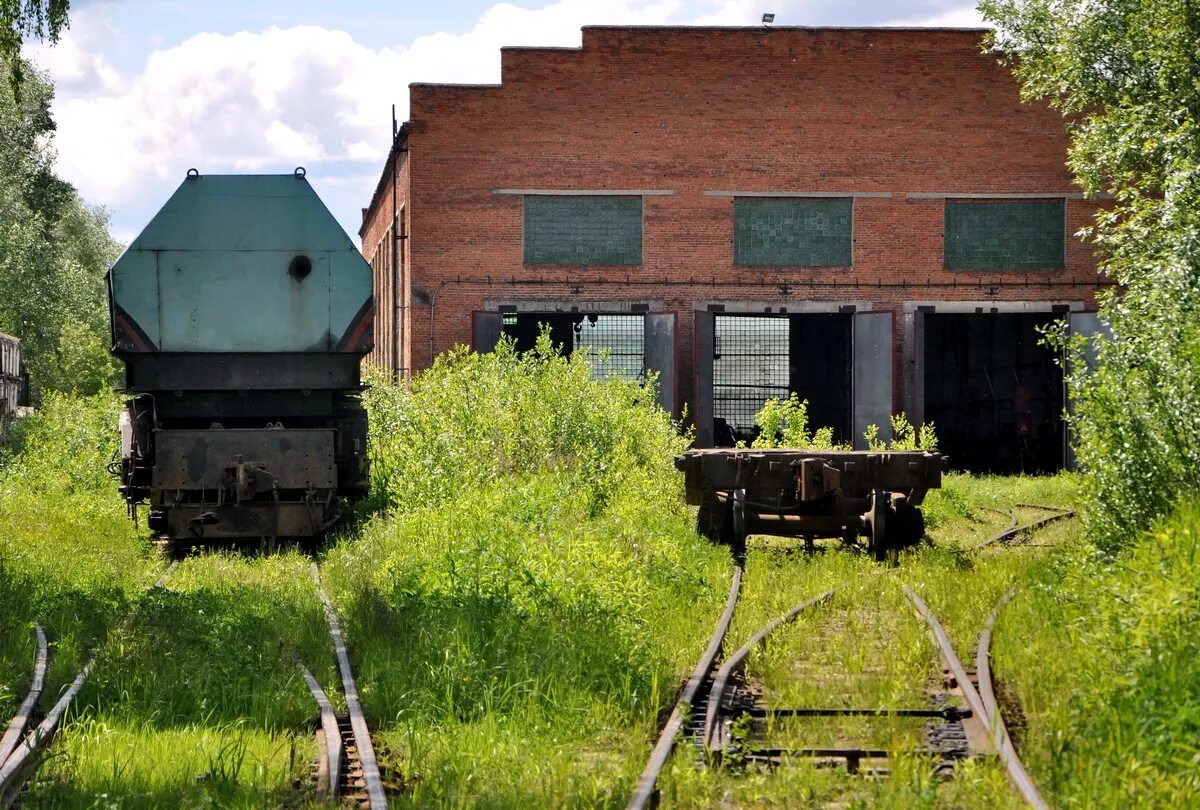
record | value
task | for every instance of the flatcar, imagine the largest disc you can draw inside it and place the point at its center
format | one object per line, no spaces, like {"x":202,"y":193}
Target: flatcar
{"x":242,"y":312}
{"x":14,"y":381}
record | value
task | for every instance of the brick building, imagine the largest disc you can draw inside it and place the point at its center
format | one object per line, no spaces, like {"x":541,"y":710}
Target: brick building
{"x":867,"y":217}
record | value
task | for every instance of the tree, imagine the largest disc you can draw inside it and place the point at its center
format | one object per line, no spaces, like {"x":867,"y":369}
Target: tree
{"x":54,"y":251}
{"x":21,"y":19}
{"x":1126,"y":74}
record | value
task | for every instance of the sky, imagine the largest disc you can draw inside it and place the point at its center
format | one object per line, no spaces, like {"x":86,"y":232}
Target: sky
{"x":146,"y":89}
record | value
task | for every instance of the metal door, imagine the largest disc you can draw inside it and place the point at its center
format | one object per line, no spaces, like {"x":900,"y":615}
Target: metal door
{"x":702,"y":363}
{"x":486,"y":330}
{"x":659,"y":348}
{"x":1090,"y":326}
{"x":873,"y":339}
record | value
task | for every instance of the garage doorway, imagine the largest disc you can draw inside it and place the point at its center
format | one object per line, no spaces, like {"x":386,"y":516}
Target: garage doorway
{"x":994,"y":393}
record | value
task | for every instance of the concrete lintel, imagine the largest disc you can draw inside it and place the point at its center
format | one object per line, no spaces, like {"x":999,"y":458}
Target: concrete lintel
{"x":970,"y":307}
{"x":792,"y":307}
{"x":833,"y":194}
{"x":567,"y":306}
{"x":963,"y":195}
{"x":589,"y":192}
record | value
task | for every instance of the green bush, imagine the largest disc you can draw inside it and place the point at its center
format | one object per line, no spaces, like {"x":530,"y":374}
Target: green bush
{"x":534,"y":570}
{"x":473,"y":419}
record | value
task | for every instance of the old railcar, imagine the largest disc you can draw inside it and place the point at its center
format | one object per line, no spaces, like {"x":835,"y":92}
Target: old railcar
{"x":242,"y":313}
{"x":14,"y":381}
{"x":811,"y":493}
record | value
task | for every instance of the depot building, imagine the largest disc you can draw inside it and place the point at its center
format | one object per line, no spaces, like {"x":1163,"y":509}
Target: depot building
{"x":869,"y":218}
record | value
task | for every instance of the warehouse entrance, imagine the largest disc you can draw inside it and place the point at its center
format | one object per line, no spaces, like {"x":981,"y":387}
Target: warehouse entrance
{"x":621,"y":345}
{"x":757,"y":357}
{"x":616,"y":344}
{"x":839,"y":361}
{"x":994,"y":394}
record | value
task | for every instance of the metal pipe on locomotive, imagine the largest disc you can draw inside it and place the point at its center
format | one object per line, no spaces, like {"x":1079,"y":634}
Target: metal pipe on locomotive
{"x":242,"y":312}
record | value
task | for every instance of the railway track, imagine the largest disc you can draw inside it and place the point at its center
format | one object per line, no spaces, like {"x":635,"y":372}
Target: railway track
{"x":24,"y":745}
{"x":963,"y":719}
{"x":347,"y":770}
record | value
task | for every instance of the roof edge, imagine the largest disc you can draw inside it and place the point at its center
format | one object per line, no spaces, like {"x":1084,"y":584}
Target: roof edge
{"x":388,"y":168}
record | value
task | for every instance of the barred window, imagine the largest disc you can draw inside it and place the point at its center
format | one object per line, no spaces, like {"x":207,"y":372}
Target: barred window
{"x":794,"y":231}
{"x":1005,"y":235}
{"x":583,"y":230}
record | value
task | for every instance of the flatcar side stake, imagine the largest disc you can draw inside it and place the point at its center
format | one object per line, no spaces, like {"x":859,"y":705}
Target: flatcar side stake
{"x":28,"y":753}
{"x":358,"y":722}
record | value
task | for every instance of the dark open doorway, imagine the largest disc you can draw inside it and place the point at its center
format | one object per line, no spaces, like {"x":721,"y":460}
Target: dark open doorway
{"x":993,"y":392}
{"x":757,"y":357}
{"x":616,"y":343}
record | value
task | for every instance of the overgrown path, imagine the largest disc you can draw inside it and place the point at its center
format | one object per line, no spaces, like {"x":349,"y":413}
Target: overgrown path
{"x":847,"y":687}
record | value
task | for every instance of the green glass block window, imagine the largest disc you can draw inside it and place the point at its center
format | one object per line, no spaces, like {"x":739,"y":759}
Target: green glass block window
{"x":583,"y":230}
{"x":1024,"y":235}
{"x":792,"y":231}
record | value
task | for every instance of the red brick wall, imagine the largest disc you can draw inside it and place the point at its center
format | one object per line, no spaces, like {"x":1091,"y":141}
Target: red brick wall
{"x":692,"y":110}
{"x":392,"y":311}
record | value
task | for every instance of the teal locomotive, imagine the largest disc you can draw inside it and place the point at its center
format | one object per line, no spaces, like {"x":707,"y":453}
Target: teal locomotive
{"x":242,"y":312}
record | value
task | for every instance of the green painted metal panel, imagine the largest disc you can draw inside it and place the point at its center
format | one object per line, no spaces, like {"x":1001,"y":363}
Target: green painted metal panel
{"x":1009,"y":235}
{"x":584,"y":230}
{"x":211,"y":271}
{"x":792,"y":231}
{"x":242,"y":302}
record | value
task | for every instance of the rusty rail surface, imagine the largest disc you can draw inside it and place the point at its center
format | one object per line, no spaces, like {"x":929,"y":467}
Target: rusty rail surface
{"x":329,"y":775}
{"x":1014,"y":530}
{"x":734,"y":662}
{"x":25,"y":758}
{"x":365,"y":751}
{"x":16,"y":728}
{"x":644,"y":793}
{"x":1000,"y":737}
{"x":985,"y":709}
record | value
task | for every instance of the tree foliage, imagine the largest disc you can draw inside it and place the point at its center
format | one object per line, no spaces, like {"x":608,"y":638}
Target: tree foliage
{"x":1126,"y":74}
{"x":21,"y":19}
{"x":54,"y":250}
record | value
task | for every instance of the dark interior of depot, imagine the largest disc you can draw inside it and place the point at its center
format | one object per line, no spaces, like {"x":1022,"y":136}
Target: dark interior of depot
{"x":993,"y":392}
{"x":757,"y":357}
{"x":615,"y":342}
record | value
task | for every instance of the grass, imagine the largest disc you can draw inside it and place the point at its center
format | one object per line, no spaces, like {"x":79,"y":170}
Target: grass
{"x":866,"y":648}
{"x":523,"y":594}
{"x":1116,"y":636}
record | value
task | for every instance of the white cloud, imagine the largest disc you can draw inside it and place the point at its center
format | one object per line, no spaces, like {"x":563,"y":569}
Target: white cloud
{"x":963,"y":17}
{"x":273,"y":99}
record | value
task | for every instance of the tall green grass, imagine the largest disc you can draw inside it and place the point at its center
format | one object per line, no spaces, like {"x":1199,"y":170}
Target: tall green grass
{"x":534,"y":587}
{"x":69,"y":556}
{"x":1102,"y":654}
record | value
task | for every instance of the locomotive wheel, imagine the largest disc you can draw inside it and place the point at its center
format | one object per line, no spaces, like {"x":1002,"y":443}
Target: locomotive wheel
{"x":906,"y":524}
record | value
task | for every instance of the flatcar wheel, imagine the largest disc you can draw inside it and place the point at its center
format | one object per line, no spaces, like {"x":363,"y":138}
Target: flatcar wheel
{"x":738,"y":520}
{"x":712,"y":519}
{"x":877,"y":519}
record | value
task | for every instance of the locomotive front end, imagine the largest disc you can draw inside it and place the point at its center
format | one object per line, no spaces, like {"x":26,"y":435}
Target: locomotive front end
{"x":242,"y":313}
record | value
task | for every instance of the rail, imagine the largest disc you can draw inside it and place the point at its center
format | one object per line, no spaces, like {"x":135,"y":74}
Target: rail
{"x":27,"y":754}
{"x":363,"y":751}
{"x":644,"y":793}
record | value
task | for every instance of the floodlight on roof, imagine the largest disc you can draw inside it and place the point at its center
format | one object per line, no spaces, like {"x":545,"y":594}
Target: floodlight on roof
{"x":768,"y":18}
